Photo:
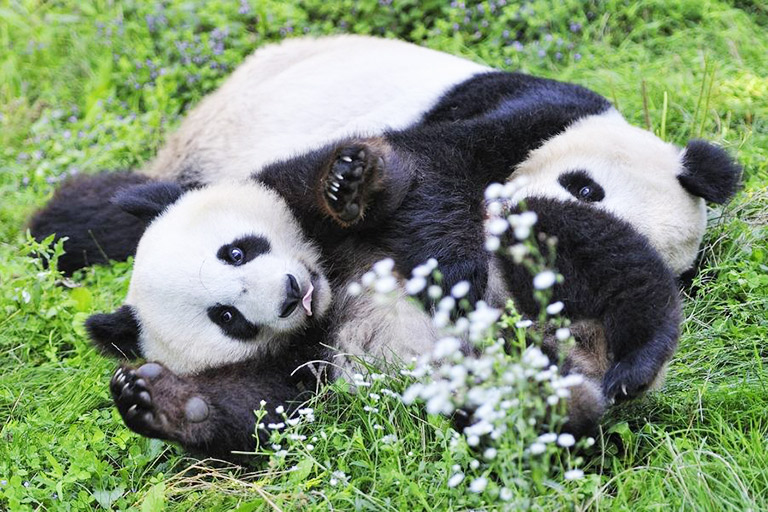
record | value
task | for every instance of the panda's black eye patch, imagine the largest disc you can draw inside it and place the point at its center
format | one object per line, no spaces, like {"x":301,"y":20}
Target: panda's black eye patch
{"x":243,"y":250}
{"x":581,"y":186}
{"x":232,"y":322}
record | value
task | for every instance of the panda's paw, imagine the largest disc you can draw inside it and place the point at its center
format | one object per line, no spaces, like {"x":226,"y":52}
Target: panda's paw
{"x":154,"y":402}
{"x":627,"y":380}
{"x":352,"y":177}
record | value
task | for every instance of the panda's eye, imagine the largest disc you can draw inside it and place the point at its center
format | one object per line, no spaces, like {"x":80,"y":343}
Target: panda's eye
{"x":243,"y":250}
{"x":581,"y":186}
{"x":236,"y":255}
{"x":585,"y":192}
{"x":232,"y":322}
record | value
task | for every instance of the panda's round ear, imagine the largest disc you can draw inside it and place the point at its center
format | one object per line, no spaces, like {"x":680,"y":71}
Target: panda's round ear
{"x":116,"y":334}
{"x":709,"y":172}
{"x":149,"y":200}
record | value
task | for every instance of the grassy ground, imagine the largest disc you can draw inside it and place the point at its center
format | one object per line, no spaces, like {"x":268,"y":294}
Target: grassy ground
{"x":97,"y":84}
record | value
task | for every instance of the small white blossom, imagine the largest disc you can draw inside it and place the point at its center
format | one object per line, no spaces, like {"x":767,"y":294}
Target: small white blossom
{"x":455,"y":480}
{"x":496,"y":226}
{"x":460,"y":289}
{"x":562,"y":334}
{"x":549,"y":437}
{"x":386,"y":284}
{"x":415,"y":285}
{"x":478,"y":484}
{"x":552,"y":400}
{"x":518,"y":252}
{"x":490,"y":453}
{"x":446,"y":304}
{"x":505,"y":494}
{"x":544,"y":280}
{"x":384,"y":267}
{"x":566,"y":440}
{"x":555,"y":308}
{"x":537,"y":448}
{"x":573,"y":474}
{"x":354,"y":289}
{"x":523,"y":324}
{"x":434,"y":292}
{"x":473,"y":440}
{"x":492,"y":244}
{"x":494,"y":191}
{"x":474,"y":464}
{"x":368,"y":279}
{"x":389,"y":439}
{"x":279,"y":409}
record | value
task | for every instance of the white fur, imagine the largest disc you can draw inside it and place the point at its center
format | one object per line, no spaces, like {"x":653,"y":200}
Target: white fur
{"x":177,"y":276}
{"x":638,"y":172}
{"x":289,"y":98}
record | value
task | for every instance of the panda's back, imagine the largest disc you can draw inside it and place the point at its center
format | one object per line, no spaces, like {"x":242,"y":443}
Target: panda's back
{"x":276,"y":104}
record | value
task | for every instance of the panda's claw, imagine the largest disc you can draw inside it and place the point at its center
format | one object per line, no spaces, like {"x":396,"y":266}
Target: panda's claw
{"x":350,"y":180}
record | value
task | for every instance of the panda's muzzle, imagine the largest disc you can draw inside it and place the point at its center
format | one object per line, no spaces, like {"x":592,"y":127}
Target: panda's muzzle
{"x":292,"y":297}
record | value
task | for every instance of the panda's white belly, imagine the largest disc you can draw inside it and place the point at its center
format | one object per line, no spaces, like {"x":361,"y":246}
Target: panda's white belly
{"x":290,"y":98}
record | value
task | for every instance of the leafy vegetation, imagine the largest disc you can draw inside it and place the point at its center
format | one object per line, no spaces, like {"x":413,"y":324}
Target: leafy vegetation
{"x":97,"y":84}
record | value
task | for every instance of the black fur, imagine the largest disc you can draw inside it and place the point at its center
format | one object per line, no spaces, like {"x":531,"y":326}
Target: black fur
{"x":97,"y":230}
{"x":149,"y":200}
{"x":116,"y":333}
{"x":613,"y":275}
{"x":709,"y":172}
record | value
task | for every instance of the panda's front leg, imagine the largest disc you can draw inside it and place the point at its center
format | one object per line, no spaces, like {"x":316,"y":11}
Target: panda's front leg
{"x":209,"y":413}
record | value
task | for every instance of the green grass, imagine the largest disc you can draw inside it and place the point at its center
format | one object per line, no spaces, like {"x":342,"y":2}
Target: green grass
{"x":82,"y":90}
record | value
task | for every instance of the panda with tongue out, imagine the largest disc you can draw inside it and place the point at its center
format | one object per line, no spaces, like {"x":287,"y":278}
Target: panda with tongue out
{"x":226,"y":277}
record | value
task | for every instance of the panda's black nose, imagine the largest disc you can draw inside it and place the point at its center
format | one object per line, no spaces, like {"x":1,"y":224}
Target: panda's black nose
{"x":292,"y":297}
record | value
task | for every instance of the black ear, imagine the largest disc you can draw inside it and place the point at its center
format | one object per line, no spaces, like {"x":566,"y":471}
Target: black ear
{"x":709,"y":172}
{"x":116,"y":334}
{"x":149,"y":200}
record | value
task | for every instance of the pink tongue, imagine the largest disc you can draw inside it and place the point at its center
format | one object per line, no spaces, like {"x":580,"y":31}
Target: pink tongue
{"x":306,"y":302}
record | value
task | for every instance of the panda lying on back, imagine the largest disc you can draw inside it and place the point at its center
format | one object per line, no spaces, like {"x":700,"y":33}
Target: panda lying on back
{"x":195,"y":294}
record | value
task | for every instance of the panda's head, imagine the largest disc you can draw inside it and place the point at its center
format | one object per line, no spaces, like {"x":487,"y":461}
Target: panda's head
{"x":221,"y":274}
{"x":658,"y":188}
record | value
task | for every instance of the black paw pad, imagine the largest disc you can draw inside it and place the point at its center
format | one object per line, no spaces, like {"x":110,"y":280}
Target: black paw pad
{"x":345,"y":185}
{"x":133,"y":398}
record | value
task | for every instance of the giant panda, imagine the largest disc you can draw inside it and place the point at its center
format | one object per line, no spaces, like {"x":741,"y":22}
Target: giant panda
{"x":586,"y":151}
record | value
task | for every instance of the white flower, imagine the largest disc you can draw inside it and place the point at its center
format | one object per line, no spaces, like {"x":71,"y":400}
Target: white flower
{"x":434,"y":292}
{"x":446,"y":304}
{"x":275,"y":426}
{"x":473,"y":440}
{"x":431,"y":264}
{"x":460,"y":289}
{"x":490,"y":453}
{"x":573,"y":474}
{"x":566,"y":440}
{"x":549,"y":437}
{"x":389,"y":439}
{"x":552,"y":400}
{"x":537,"y":448}
{"x":523,"y":324}
{"x":445,"y":347}
{"x":478,"y":484}
{"x":415,"y":285}
{"x":494,"y":191}
{"x":562,"y":334}
{"x":474,"y":464}
{"x":368,"y":279}
{"x":494,"y":208}
{"x":555,"y":308}
{"x":544,"y":280}
{"x":496,"y":226}
{"x":455,"y":480}
{"x":338,"y":476}
{"x":385,"y":284}
{"x":384,"y":267}
{"x":263,"y":403}
{"x":518,"y":252}
{"x":354,"y":289}
{"x":279,"y":409}
{"x":505,"y":494}
{"x":492,"y":244}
